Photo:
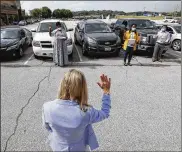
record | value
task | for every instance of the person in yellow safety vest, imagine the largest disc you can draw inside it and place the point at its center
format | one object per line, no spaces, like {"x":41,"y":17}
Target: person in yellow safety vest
{"x":131,"y":38}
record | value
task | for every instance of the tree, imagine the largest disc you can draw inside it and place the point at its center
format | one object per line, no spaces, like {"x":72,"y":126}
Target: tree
{"x":56,"y":13}
{"x":46,"y":12}
{"x":62,"y":13}
{"x":36,"y":12}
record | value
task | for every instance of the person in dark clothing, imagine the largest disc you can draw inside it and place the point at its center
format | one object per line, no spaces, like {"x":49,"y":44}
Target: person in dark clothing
{"x":122,"y":31}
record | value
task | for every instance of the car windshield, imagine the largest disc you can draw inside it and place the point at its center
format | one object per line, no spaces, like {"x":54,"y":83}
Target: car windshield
{"x":22,"y":21}
{"x":97,"y":28}
{"x":9,"y":34}
{"x":44,"y":27}
{"x":178,"y":29}
{"x":142,"y":24}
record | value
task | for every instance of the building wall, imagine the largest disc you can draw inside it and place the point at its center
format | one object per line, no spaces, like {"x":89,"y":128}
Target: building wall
{"x":8,"y":11}
{"x":9,"y":7}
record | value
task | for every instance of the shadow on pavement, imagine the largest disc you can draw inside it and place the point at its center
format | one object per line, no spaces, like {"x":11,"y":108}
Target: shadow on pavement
{"x":102,"y":65}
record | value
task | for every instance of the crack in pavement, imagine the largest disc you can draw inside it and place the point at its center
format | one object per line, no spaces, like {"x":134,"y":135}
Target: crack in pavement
{"x":22,"y":109}
{"x":49,"y":73}
{"x":138,"y":61}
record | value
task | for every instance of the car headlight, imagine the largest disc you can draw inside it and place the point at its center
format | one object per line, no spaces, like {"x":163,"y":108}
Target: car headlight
{"x":36,"y":43}
{"x":91,"y":41}
{"x":118,"y":40}
{"x":15,"y":46}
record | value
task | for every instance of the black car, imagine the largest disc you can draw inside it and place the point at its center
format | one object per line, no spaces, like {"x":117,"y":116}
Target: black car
{"x":96,"y":37}
{"x":14,"y":41}
{"x":146,"y":29}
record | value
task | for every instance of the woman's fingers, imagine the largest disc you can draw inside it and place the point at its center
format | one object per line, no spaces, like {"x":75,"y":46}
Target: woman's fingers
{"x":99,"y":85}
{"x":110,"y":81}
{"x":102,"y":77}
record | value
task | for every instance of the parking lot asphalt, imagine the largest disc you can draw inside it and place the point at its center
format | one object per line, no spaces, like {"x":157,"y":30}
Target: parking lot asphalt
{"x":146,"y":100}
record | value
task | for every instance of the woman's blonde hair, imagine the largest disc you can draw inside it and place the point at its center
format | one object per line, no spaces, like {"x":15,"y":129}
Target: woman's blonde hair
{"x":74,"y":86}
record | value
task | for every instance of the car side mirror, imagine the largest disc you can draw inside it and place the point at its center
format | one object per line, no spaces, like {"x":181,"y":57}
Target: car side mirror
{"x":70,"y":29}
{"x":33,"y":30}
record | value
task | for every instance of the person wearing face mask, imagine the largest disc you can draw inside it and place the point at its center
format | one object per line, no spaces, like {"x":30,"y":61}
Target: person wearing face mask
{"x":163,"y":40}
{"x":131,"y":38}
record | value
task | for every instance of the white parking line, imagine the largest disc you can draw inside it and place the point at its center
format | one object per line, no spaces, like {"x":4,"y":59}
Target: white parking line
{"x":78,"y":53}
{"x":28,"y":59}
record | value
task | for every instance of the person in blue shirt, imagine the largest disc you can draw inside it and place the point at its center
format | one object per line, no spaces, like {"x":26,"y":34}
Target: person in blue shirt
{"x":69,"y":118}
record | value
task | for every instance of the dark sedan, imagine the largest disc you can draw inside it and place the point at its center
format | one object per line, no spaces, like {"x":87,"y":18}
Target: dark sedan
{"x":14,"y":41}
{"x":97,"y":38}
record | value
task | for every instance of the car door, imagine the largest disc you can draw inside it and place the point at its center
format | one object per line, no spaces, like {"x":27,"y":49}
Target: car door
{"x":28,"y":36}
{"x":23,"y":39}
{"x":78,"y":32}
{"x":82,"y":32}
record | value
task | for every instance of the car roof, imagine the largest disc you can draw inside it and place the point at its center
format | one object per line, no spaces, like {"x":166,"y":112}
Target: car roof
{"x":93,"y":21}
{"x":51,"y":20}
{"x":134,"y":19}
{"x":172,"y":25}
{"x":11,"y":27}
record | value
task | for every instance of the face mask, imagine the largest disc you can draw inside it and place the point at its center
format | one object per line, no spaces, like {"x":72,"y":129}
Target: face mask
{"x":133,"y":29}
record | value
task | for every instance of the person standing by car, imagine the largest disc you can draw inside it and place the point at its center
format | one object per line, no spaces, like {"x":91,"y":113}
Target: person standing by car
{"x":60,"y":55}
{"x":163,"y":40}
{"x":131,"y":38}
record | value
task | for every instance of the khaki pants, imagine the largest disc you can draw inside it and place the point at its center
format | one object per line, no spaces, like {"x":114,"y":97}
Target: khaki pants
{"x":158,"y":50}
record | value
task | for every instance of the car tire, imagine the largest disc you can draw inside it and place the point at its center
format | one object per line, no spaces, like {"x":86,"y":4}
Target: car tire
{"x":84,"y":52}
{"x":37,"y":57}
{"x":20,"y":52}
{"x":176,"y":45}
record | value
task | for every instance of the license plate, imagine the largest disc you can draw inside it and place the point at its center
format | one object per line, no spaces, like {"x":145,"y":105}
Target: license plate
{"x":108,"y":49}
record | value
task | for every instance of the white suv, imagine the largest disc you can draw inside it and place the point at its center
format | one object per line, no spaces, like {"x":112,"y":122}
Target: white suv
{"x":43,"y":44}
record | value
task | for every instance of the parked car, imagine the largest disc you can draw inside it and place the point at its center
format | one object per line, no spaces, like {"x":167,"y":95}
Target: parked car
{"x":96,"y":38}
{"x":15,"y":22}
{"x":14,"y":41}
{"x":147,"y":31}
{"x":175,"y":31}
{"x":42,"y":42}
{"x":22,"y":23}
{"x":29,"y":21}
{"x":168,"y":19}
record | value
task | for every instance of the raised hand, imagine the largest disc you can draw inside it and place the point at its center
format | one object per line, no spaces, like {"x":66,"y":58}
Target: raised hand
{"x":105,"y":83}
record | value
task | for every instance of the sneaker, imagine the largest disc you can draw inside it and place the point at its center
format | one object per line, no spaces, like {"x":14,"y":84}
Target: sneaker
{"x":160,"y":60}
{"x":125,"y":64}
{"x":153,"y":60}
{"x":129,"y":64}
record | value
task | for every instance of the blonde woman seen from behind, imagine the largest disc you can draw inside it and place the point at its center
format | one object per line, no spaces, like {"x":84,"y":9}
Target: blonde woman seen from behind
{"x":69,"y":118}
